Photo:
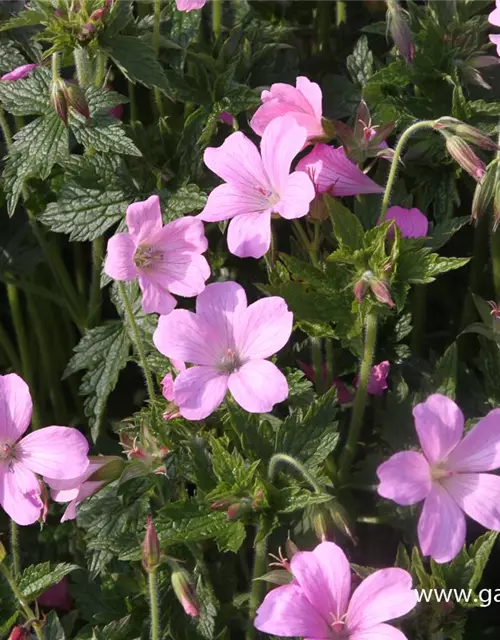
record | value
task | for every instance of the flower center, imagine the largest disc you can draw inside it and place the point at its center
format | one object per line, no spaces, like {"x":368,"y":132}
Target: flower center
{"x":146,"y":256}
{"x":6,"y":452}
{"x":338,"y":627}
{"x":440,"y":472}
{"x":229,"y":362}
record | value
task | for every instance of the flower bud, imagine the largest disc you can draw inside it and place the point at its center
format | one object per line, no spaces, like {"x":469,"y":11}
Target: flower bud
{"x":482,"y":62}
{"x":258,"y":499}
{"x":475,"y":136}
{"x":151,"y":553}
{"x":97,"y":15}
{"x":76,"y":100}
{"x":221,"y":505}
{"x":462,"y":153}
{"x":400,"y":30}
{"x":381,"y":291}
{"x":185,"y":591}
{"x":19,"y":633}
{"x":320,"y":522}
{"x":485,"y":191}
{"x":59,"y":99}
{"x":360,"y":289}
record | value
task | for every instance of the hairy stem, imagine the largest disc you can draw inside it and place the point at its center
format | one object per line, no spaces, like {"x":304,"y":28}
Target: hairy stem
{"x":15,"y":549}
{"x":286,"y":459}
{"x":100,"y":69}
{"x":217,"y":8}
{"x":28,"y":612}
{"x":82,"y":64}
{"x":154,"y":606}
{"x":258,"y":586}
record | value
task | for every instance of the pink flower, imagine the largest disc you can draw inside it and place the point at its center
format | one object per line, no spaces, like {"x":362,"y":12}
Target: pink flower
{"x":228,"y":342}
{"x":227,"y":118}
{"x":57,"y":596}
{"x":411,"y":222}
{"x":494,"y":17}
{"x":495,"y":38}
{"x":257,"y":186}
{"x":167,"y":390}
{"x":318,"y":603}
{"x":377,"y":382}
{"x":189,"y":5}
{"x":332,"y":172}
{"x":164,"y":258}
{"x":57,"y":452}
{"x":303,"y":102}
{"x":75,"y":490}
{"x":449,"y":476}
{"x":19,"y":72}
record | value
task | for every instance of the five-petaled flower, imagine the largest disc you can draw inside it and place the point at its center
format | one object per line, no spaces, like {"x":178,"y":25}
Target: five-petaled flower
{"x":166,"y":259}
{"x":228,"y":342}
{"x":52,"y":452}
{"x":257,"y":186}
{"x":318,"y":603}
{"x":449,"y":476}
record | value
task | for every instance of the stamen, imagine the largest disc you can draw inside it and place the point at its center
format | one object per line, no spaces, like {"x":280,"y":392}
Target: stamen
{"x":229,"y":362}
{"x":5,"y":451}
{"x":146,"y":256}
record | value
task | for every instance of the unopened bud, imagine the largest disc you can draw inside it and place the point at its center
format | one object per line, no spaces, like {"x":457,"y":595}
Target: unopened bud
{"x":258,"y":499}
{"x":151,"y":553}
{"x":380,"y":290}
{"x":59,"y":99}
{"x":360,"y":289}
{"x":400,"y":30}
{"x":320,"y":522}
{"x":462,"y":153}
{"x":19,"y":633}
{"x":475,"y":136}
{"x":86,"y":31}
{"x":97,"y":15}
{"x":221,"y":505}
{"x":77,"y":101}
{"x":485,"y":190}
{"x":185,"y":591}
{"x":239,"y":509}
{"x":482,"y":62}
{"x":340,"y":519}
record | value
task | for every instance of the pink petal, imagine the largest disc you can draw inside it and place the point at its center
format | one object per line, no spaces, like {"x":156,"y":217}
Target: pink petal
{"x":440,"y":424}
{"x":296,"y":197}
{"x":119,"y":263}
{"x":493,"y":18}
{"x":69,"y":484}
{"x":411,"y":222}
{"x":478,"y":494}
{"x":324,"y":576}
{"x":227,"y":201}
{"x":264,"y":328}
{"x":281,"y":142}
{"x":15,"y":408}
{"x":55,"y":452}
{"x":441,"y":527}
{"x":20,"y":493}
{"x":221,"y":303}
{"x":155,"y":298}
{"x":384,"y":595}
{"x":189,"y":5}
{"x":183,"y":335}
{"x":19,"y":72}
{"x":286,"y":612}
{"x":377,"y":382}
{"x":495,"y":38}
{"x":258,"y":385}
{"x":312,"y":92}
{"x":167,"y":387}
{"x":379,"y":632}
{"x":144,"y":219}
{"x":249,"y":236}
{"x":405,"y":478}
{"x":238,"y":162}
{"x":185,"y":235}
{"x":199,"y":391}
{"x":182,"y":273}
{"x":480,"y":449}
{"x":86,"y":491}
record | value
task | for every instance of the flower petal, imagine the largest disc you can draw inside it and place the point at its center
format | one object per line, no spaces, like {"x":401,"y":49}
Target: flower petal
{"x":324,"y":576}
{"x":441,"y":527}
{"x":16,"y":407}
{"x":85,"y":491}
{"x":411,"y":222}
{"x":249,"y":235}
{"x":20,"y":493}
{"x":405,"y":478}
{"x":480,"y":449}
{"x":384,"y":595}
{"x":478,"y":494}
{"x":227,"y":201}
{"x":493,"y":18}
{"x":183,"y":335}
{"x":263,"y":328}
{"x":296,"y":197}
{"x":198,"y":391}
{"x":312,"y":93}
{"x":144,"y":219}
{"x":183,"y":274}
{"x":119,"y":263}
{"x":258,"y":385}
{"x":186,"y":235}
{"x":155,"y":298}
{"x":19,"y":72}
{"x":379,"y":632}
{"x":286,"y":612}
{"x":440,"y":424}
{"x":281,"y":142}
{"x":55,"y":452}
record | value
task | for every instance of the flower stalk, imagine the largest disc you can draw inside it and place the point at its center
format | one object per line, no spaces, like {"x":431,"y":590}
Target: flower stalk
{"x":258,"y":586}
{"x":279,"y":458}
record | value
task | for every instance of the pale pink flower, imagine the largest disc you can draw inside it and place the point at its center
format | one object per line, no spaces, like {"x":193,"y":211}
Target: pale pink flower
{"x":377,"y":382}
{"x":77,"y":489}
{"x":19,"y":72}
{"x":494,"y":17}
{"x":189,"y":5}
{"x":318,"y":604}
{"x":166,"y":259}
{"x":228,"y":342}
{"x":57,"y":452}
{"x":257,"y":186}
{"x":495,"y":38}
{"x":332,"y":172}
{"x":449,"y":476}
{"x":411,"y":222}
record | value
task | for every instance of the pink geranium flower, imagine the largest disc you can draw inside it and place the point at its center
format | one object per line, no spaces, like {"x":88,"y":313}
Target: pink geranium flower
{"x":495,"y":38}
{"x":494,"y":17}
{"x":166,"y":259}
{"x":332,"y":172}
{"x":19,"y":72}
{"x":318,"y":604}
{"x":411,"y":222}
{"x":303,"y":102}
{"x":56,"y":452}
{"x":449,"y":476}
{"x":257,"y":186}
{"x":377,"y":382}
{"x":189,"y":5}
{"x":228,"y":342}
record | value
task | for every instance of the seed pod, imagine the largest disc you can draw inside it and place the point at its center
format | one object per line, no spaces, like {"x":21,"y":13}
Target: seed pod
{"x":59,"y":99}
{"x":463,"y":154}
{"x":400,"y":30}
{"x":380,"y":290}
{"x":485,"y":191}
{"x":151,"y":553}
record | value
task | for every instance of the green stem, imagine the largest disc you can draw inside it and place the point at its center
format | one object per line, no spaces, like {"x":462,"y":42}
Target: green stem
{"x":317,"y":360}
{"x":138,"y":342}
{"x":82,"y":64}
{"x":154,"y":607}
{"x":323,"y":24}
{"x":23,"y":346}
{"x":28,"y":612}
{"x":341,"y":12}
{"x":477,"y":268}
{"x":258,"y":586}
{"x":10,"y":351}
{"x":284,"y":458}
{"x":156,"y":47}
{"x":358,"y":410}
{"x":4,"y":125}
{"x":306,"y":242}
{"x":217,"y":8}
{"x":424,"y":124}
{"x":95,"y":287}
{"x":15,"y":549}
{"x":100,"y":69}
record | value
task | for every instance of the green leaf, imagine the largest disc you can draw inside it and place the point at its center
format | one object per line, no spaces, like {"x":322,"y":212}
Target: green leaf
{"x":102,"y":133}
{"x":27,"y":96}
{"x":52,"y":629}
{"x":137,"y":61}
{"x":184,"y":201}
{"x":439,"y":264}
{"x":102,"y":353}
{"x":360,"y":62}
{"x":27,"y":18}
{"x":444,"y":379}
{"x":480,"y":553}
{"x":38,"y":578}
{"x":444,"y":230}
{"x":347,"y":228}
{"x":10,"y":58}
{"x":483,"y":107}
{"x":292,"y":499}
